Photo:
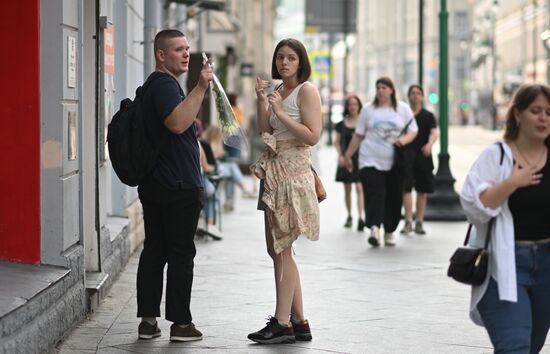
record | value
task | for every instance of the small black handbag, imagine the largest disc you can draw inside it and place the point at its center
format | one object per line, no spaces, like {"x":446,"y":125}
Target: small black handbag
{"x":402,"y":155}
{"x":469,"y":264}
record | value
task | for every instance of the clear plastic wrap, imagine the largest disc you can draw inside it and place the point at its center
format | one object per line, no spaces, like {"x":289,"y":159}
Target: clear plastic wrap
{"x":233,"y":134}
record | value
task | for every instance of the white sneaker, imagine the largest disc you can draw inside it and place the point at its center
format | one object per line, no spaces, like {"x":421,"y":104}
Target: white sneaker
{"x":374,"y":237}
{"x":389,"y":239}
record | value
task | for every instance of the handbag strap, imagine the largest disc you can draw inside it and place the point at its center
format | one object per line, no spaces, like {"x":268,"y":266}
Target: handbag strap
{"x":492,"y":221}
{"x":487,"y":235}
{"x":406,"y":127}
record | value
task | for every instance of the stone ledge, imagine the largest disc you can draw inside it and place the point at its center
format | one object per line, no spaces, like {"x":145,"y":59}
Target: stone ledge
{"x":24,"y":282}
{"x":40,"y":304}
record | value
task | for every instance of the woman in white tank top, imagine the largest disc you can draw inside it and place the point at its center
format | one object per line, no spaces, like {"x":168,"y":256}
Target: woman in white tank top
{"x":290,"y":122}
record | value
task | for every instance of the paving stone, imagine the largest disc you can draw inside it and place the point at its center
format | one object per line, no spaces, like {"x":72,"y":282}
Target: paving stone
{"x":358,"y":299}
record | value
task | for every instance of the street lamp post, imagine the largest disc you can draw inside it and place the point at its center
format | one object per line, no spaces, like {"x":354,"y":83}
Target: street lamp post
{"x":545,"y":36}
{"x":444,"y":204}
{"x":494,"y":111}
{"x":420,"y":42}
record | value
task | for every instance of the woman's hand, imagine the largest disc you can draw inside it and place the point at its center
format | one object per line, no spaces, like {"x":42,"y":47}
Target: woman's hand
{"x":524,"y":177}
{"x":399,"y":142}
{"x":427,"y":150}
{"x":348,"y":163}
{"x":276,"y":102}
{"x":341,"y":161}
{"x":260,"y":88}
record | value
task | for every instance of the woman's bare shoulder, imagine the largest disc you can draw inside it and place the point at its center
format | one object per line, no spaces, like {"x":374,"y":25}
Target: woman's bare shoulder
{"x":308,"y":89}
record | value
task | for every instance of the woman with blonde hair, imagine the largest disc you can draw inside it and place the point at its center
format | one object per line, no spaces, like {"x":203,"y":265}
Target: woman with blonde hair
{"x":290,"y":122}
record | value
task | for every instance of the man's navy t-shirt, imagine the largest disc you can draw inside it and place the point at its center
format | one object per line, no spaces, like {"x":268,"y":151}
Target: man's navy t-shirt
{"x":178,"y":164}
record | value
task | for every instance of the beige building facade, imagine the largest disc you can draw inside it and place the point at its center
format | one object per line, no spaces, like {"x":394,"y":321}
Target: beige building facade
{"x":387,"y":45}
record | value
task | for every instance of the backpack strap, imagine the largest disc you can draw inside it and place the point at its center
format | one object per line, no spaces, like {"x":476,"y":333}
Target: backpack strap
{"x":501,"y":152}
{"x":149,"y":82}
{"x":140,"y":91}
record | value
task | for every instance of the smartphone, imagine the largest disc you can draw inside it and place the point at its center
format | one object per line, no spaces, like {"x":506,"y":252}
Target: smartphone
{"x":269,"y":89}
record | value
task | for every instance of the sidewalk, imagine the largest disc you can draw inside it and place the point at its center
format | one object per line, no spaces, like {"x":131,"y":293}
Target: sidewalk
{"x":358,"y":299}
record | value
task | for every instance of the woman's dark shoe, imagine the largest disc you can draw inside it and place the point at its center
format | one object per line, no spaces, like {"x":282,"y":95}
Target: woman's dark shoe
{"x":273,"y":333}
{"x":302,"y":331}
{"x":418,"y":229}
{"x":349,"y":222}
{"x":360,"y":225}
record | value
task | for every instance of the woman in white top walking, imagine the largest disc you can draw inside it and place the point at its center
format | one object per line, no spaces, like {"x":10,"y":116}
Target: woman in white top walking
{"x":381,"y":126}
{"x":290,"y":122}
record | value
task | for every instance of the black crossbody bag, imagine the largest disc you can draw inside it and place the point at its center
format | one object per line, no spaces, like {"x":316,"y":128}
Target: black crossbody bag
{"x":402,"y":155}
{"x":469,"y":264}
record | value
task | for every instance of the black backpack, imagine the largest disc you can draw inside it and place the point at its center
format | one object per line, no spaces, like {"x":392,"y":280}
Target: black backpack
{"x":132,"y":154}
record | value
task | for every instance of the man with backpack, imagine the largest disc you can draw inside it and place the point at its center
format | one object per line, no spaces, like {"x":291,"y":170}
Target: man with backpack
{"x":171,"y":194}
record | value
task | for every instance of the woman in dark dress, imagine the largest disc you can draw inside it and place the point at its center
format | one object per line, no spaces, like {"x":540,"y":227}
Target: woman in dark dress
{"x":344,"y":133}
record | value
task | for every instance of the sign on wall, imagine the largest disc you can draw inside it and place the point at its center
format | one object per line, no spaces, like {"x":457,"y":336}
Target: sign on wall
{"x":109,"y":49}
{"x":332,"y":16}
{"x":320,"y":64}
{"x":71,"y":62}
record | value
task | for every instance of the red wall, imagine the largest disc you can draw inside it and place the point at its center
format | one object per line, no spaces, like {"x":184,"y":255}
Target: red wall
{"x":20,"y":131}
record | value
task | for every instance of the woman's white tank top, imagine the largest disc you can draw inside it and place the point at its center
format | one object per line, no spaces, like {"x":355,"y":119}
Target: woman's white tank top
{"x":280,"y":131}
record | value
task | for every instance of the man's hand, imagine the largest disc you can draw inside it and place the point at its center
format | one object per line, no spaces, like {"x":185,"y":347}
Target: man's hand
{"x":205,"y":76}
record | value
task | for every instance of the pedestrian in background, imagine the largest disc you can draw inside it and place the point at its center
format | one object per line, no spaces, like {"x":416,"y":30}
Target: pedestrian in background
{"x":382,"y":125}
{"x":232,"y":153}
{"x":171,"y":195}
{"x":290,"y":121}
{"x":419,"y":172}
{"x":344,"y":133}
{"x":227,"y":168}
{"x":511,"y":182}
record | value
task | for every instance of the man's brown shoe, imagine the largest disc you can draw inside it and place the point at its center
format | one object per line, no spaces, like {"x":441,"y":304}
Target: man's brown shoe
{"x":184,"y":334}
{"x":148,"y":331}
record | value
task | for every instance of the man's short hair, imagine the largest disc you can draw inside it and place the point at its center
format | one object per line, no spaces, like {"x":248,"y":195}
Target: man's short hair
{"x":163,"y":36}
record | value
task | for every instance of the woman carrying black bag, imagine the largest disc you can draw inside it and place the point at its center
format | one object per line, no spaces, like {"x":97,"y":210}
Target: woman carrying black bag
{"x":382,"y":125}
{"x":344,"y":133}
{"x":513,"y":301}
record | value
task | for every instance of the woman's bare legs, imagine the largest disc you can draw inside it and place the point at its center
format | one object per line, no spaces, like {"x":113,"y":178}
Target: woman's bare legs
{"x":287,"y":280}
{"x":297,"y":309}
{"x":360,"y":202}
{"x":347,"y":197}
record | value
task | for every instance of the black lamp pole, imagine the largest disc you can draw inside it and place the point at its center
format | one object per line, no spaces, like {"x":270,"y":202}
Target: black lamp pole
{"x":420,"y":42}
{"x":444,"y":204}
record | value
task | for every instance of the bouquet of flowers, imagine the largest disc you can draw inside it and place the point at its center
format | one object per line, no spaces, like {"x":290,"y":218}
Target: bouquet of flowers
{"x":233,"y":134}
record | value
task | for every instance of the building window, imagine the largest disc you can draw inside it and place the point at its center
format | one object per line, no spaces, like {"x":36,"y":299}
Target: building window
{"x":461,"y":24}
{"x":410,"y":71}
{"x":460,"y":68}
